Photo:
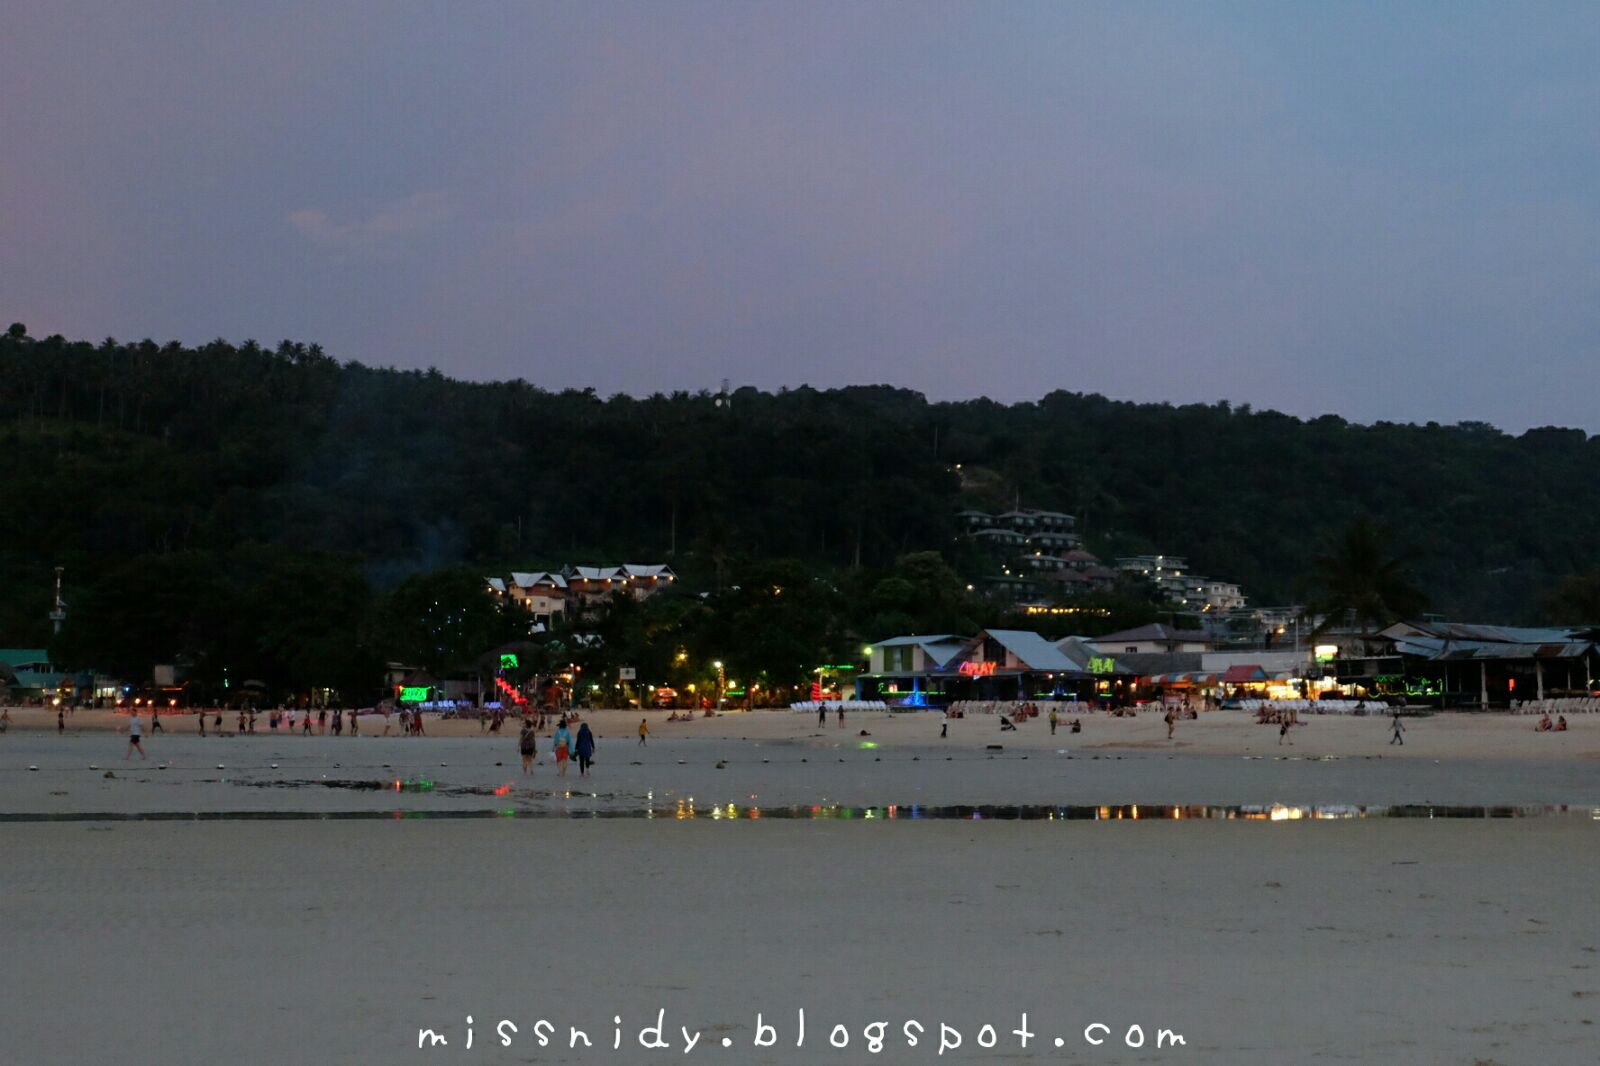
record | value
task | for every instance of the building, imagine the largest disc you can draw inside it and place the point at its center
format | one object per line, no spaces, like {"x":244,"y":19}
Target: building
{"x":1005,"y":664}
{"x":1154,"y":638}
{"x":1172,"y":579}
{"x":1165,"y":573}
{"x":1000,"y":540}
{"x":547,"y":594}
{"x":542,"y":594}
{"x":29,"y":674}
{"x":1045,"y":530}
{"x":997,"y":664}
{"x":1454,"y":664}
{"x":644,"y":579}
{"x":1011,"y":586}
{"x":914,"y":654}
{"x":1209,"y":594}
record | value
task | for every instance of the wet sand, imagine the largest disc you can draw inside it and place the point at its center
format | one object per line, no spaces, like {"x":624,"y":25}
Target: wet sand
{"x":775,"y":760}
{"x":246,"y":941}
{"x":1415,"y":942}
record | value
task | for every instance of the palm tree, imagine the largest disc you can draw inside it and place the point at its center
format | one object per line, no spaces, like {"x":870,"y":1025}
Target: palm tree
{"x":1361,"y":580}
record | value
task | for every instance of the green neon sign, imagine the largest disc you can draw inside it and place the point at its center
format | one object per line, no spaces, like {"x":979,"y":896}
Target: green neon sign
{"x":1102,"y":665}
{"x":508,"y":662}
{"x":414,"y":694}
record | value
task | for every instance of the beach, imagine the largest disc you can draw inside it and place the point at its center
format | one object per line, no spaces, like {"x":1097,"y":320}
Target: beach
{"x":1305,"y":905}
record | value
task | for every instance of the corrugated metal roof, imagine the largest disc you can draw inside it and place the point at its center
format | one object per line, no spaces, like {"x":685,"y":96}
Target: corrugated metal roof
{"x":528,"y":581}
{"x":1469,"y":650}
{"x":1031,"y":649}
{"x":1486,"y":634}
{"x":1158,"y":631}
{"x":936,"y":638}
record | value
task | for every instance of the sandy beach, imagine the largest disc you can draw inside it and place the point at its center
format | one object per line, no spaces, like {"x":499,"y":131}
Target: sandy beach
{"x":206,"y":905}
{"x":1414,"y":942}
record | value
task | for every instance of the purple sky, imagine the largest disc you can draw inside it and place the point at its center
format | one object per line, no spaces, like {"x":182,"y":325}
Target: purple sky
{"x":1388,"y":211}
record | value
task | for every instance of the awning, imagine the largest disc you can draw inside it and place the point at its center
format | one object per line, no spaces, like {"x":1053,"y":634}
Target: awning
{"x":1243,"y":672}
{"x":1187,"y":677}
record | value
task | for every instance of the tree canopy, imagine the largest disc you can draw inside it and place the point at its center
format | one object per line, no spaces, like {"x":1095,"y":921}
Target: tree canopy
{"x":197,"y":486}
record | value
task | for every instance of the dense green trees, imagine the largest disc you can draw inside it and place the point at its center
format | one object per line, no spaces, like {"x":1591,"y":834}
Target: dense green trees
{"x":153,"y":472}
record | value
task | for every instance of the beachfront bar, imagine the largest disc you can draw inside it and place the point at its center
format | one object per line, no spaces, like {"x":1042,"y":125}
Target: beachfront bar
{"x":996,"y":665}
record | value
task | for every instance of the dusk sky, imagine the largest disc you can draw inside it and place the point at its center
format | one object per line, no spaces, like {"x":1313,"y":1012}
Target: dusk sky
{"x":1386,"y":211}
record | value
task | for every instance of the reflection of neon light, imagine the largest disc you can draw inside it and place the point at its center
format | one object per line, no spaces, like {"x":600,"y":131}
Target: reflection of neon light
{"x":977,"y":669}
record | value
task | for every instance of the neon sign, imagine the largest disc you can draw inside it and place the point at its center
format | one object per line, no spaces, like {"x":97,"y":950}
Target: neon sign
{"x":977,"y":669}
{"x":508,"y":662}
{"x":1102,"y":665}
{"x":414,"y":694}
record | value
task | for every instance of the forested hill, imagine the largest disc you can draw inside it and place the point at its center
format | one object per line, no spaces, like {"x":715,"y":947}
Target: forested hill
{"x":113,"y":452}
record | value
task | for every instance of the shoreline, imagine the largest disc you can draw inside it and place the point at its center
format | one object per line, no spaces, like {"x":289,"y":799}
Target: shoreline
{"x":1439,"y":735}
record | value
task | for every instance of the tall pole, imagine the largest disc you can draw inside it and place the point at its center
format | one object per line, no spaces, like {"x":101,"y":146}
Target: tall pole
{"x":1483,"y":684}
{"x":58,"y":611}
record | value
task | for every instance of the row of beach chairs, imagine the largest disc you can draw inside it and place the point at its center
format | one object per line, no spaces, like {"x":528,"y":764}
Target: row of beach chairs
{"x":1558,"y":705}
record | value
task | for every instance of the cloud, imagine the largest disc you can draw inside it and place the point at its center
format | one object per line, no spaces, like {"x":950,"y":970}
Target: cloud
{"x":381,"y":230}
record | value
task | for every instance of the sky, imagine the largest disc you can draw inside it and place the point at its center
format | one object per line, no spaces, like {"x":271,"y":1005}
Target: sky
{"x":1384,"y":211}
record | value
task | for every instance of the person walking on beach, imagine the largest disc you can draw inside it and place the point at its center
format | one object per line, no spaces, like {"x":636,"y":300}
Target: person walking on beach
{"x":644,"y":730}
{"x":1171,"y":720}
{"x":1398,"y":730}
{"x":561,"y":745}
{"x":202,"y":723}
{"x":1283,"y":733}
{"x":155,"y":721}
{"x":385,"y":719}
{"x":585,"y":748}
{"x":1052,"y":721}
{"x":841,"y":716}
{"x":135,"y":735}
{"x":527,"y":745}
{"x":61,"y":721}
{"x":355,"y":722}
{"x":305,"y":724}
{"x":338,"y":721}
{"x":822,"y":714}
{"x":5,"y":719}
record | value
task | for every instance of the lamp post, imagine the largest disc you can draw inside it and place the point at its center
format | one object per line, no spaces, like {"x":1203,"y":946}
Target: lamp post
{"x":722,"y":681}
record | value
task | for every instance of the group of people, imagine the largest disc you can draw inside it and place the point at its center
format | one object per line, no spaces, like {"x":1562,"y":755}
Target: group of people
{"x":1546,"y":726}
{"x":822,"y":715}
{"x":291,"y":721}
{"x":1023,"y":712}
{"x":563,"y":744}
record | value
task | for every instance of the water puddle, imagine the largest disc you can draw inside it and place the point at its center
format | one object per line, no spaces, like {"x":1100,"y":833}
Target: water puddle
{"x":686,"y":811}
